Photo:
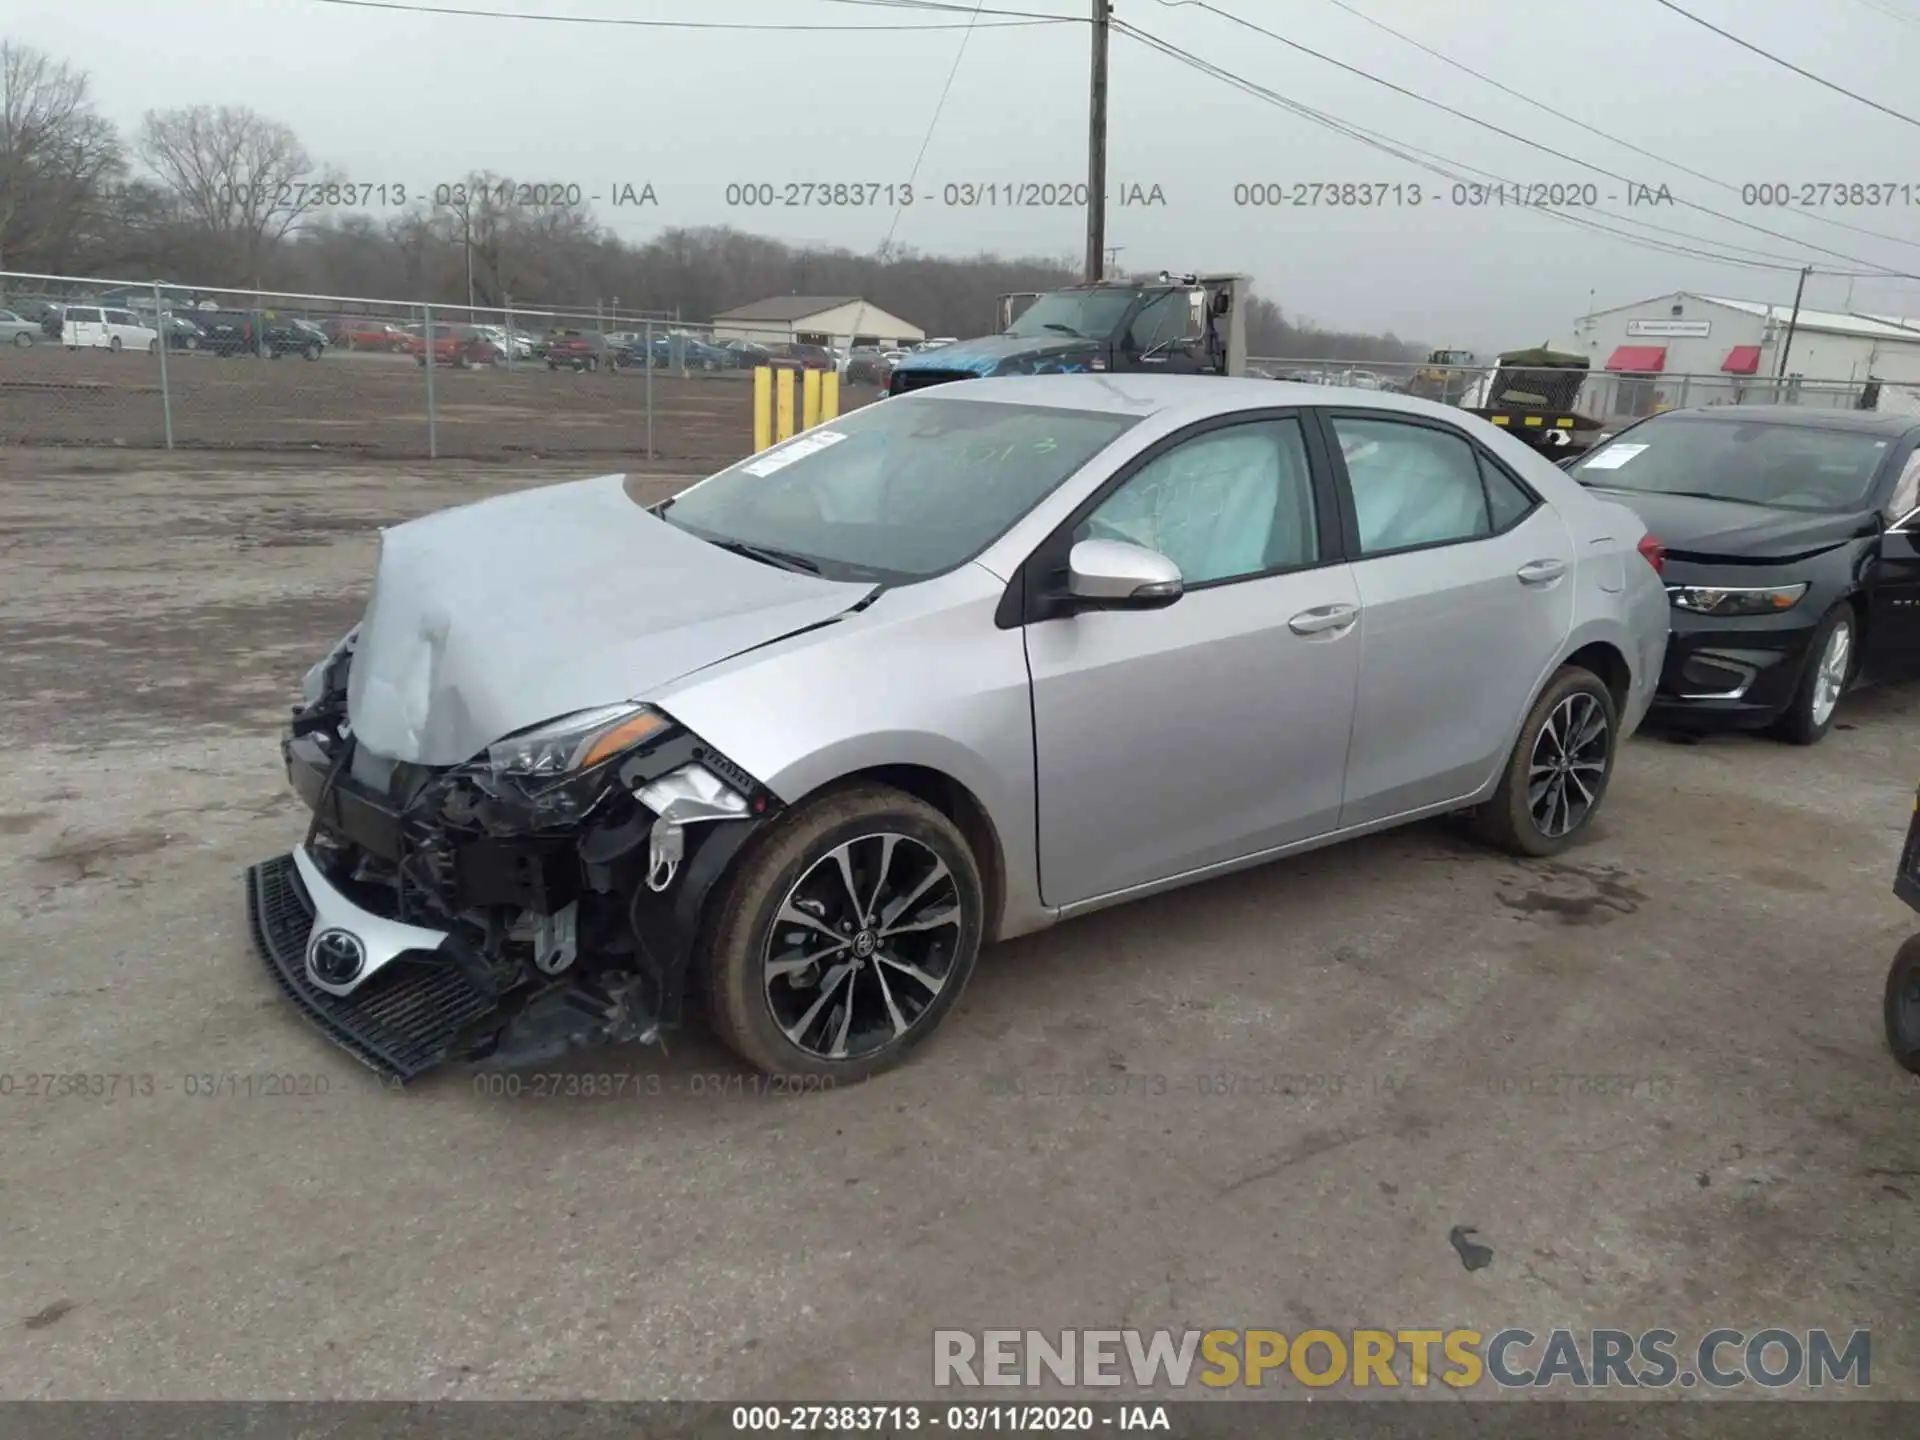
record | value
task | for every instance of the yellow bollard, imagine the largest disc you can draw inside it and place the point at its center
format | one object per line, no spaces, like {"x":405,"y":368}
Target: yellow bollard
{"x":809,"y":399}
{"x":830,"y":395}
{"x":762,"y":408}
{"x":783,"y":403}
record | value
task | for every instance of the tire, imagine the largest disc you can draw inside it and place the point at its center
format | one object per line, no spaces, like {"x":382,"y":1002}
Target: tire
{"x":23,"y":340}
{"x":461,"y":362}
{"x":312,"y":352}
{"x":421,"y":361}
{"x":265,"y":351}
{"x":1518,"y":820}
{"x":114,"y":344}
{"x":1816,"y":699}
{"x":593,"y":363}
{"x":153,"y":347}
{"x":1901,"y":1008}
{"x":793,"y":868}
{"x":552,"y":365}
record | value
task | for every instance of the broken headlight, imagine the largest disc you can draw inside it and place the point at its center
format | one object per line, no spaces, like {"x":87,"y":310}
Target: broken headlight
{"x":574,"y":743}
{"x":559,"y":771}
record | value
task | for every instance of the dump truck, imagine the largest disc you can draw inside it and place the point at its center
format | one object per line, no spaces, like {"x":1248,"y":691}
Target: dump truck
{"x":1535,"y":394}
{"x":1172,"y":325}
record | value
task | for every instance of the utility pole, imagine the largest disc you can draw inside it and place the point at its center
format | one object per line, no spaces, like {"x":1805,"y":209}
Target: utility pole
{"x":1097,"y":144}
{"x":1793,"y":322}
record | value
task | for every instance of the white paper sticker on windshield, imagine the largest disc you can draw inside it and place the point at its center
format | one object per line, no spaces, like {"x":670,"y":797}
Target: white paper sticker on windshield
{"x":1613,"y":457}
{"x":793,"y":450}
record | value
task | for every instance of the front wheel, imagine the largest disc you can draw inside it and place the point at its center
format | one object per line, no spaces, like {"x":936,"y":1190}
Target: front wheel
{"x":114,"y":345}
{"x":1830,"y":654}
{"x":1557,"y":774}
{"x":845,"y":936}
{"x":1902,"y":1006}
{"x":153,"y":347}
{"x":23,"y":340}
{"x":312,"y":352}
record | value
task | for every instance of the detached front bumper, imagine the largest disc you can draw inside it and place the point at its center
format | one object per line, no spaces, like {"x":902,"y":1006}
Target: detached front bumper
{"x":410,"y":1007}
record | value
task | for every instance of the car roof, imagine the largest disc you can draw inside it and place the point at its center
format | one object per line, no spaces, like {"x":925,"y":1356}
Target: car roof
{"x":1865,"y":422}
{"x":1182,"y":398}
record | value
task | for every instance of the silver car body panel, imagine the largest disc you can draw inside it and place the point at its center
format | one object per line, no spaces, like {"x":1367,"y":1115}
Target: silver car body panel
{"x":1114,"y":754}
{"x":506,"y":613}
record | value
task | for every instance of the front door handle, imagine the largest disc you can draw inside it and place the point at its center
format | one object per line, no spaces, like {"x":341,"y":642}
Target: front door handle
{"x":1323,"y":618}
{"x":1539,"y":572}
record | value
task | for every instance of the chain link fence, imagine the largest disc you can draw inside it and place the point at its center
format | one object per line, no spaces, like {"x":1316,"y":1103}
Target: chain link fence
{"x":1610,"y":398}
{"x":98,"y":362}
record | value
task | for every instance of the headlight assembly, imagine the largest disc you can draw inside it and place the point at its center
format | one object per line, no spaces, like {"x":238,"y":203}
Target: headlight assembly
{"x":574,"y":743}
{"x":1723,"y":600}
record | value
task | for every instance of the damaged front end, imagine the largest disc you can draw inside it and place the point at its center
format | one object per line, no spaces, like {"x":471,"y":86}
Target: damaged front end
{"x":542,"y":897}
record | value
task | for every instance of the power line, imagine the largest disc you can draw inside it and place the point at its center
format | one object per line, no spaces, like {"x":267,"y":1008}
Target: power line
{"x":1025,"y":18}
{"x":1890,"y":12}
{"x":1603,"y":134}
{"x":1509,"y":134}
{"x":1788,"y":64}
{"x":927,"y":140}
{"x":1437,"y":164}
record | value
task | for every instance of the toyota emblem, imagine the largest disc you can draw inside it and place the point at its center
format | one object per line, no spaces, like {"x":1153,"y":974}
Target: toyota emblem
{"x":336,"y":956}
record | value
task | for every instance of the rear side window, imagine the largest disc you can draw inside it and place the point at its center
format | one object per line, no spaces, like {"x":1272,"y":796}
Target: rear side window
{"x":84,"y":315}
{"x":119,"y":317}
{"x":1507,"y":503}
{"x":1412,"y":485}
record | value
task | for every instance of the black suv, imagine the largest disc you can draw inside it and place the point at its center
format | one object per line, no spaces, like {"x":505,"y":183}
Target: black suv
{"x":253,"y":332}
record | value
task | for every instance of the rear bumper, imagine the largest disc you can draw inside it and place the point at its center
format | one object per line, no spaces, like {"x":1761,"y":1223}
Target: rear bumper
{"x":412,"y":1011}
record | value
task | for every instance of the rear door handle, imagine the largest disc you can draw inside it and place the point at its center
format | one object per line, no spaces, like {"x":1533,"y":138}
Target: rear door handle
{"x":1539,"y":572}
{"x":1323,"y":618}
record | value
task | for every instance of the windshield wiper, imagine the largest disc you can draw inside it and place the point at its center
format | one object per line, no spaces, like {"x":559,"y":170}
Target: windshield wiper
{"x":1063,"y":329}
{"x":766,"y":555}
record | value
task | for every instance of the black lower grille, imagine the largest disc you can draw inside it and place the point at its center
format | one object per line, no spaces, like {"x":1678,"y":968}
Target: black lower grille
{"x":404,"y":1021}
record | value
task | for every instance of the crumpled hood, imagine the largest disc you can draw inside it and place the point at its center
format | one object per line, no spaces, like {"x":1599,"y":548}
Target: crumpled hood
{"x":516,"y":610}
{"x":1007,"y":355}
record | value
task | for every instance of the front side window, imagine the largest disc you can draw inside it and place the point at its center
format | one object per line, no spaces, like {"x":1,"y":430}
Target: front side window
{"x":1225,"y":505}
{"x":1161,"y":323}
{"x":1412,"y":485}
{"x":900,"y":490}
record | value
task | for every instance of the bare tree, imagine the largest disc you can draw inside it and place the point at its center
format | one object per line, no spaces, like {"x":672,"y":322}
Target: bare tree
{"x":242,"y":177}
{"x":57,"y":158}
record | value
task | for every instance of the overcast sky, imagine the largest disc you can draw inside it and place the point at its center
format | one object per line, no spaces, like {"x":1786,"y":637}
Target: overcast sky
{"x":416,"y":98}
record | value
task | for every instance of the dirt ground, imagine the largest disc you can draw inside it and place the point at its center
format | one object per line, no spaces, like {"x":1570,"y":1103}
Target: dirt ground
{"x":372,"y":405}
{"x":1650,"y":1074}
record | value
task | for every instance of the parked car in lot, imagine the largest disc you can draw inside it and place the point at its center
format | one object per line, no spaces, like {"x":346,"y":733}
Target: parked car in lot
{"x":629,"y":751}
{"x":677,"y":352}
{"x":19,"y":331}
{"x":578,"y":350}
{"x":745,"y":355}
{"x":1793,"y":556}
{"x":44,"y":310}
{"x":800,"y":357}
{"x":98,"y":327}
{"x":461,"y":346}
{"x":866,"y":367}
{"x":252,"y":332}
{"x":351,"y":333}
{"x":181,"y":332}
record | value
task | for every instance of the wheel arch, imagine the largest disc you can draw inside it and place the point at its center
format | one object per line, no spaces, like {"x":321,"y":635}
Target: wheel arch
{"x":958,"y":803}
{"x":1605,"y":660}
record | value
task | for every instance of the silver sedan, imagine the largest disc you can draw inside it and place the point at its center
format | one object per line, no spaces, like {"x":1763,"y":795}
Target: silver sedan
{"x":952,"y":668}
{"x":15,"y":331}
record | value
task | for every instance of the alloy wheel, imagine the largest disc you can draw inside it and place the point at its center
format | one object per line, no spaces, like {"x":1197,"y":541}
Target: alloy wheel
{"x":1831,"y":678}
{"x":862,"y":946}
{"x":1568,"y":765}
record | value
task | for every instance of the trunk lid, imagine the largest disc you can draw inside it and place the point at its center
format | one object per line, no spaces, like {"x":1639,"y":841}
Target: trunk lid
{"x":506,"y":613}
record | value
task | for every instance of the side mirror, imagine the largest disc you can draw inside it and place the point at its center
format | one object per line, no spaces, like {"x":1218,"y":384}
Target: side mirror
{"x":1116,"y":575}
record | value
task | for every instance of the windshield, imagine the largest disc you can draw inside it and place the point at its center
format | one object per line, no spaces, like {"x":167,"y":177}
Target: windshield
{"x":1092,"y":314}
{"x":1791,"y":467}
{"x":898,"y":490}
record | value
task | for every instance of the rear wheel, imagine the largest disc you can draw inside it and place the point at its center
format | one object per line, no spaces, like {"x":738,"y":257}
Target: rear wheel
{"x":312,"y":352}
{"x":23,"y":340}
{"x":114,"y":345}
{"x":1829,"y":670}
{"x":1902,"y":1007}
{"x":845,"y":936}
{"x":1557,"y":774}
{"x":153,"y":347}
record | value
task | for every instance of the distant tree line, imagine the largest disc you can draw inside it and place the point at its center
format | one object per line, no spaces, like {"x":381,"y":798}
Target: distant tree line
{"x":221,"y":195}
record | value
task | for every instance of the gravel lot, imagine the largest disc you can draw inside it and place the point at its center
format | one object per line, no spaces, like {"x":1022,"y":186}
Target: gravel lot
{"x":1719,"y":942}
{"x":372,"y":405}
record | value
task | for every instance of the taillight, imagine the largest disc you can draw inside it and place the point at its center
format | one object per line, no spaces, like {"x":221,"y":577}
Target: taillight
{"x":1654,"y":553}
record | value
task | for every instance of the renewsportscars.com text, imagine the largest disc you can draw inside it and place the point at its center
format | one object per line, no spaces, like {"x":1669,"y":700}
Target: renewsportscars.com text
{"x":1721,"y":1359}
